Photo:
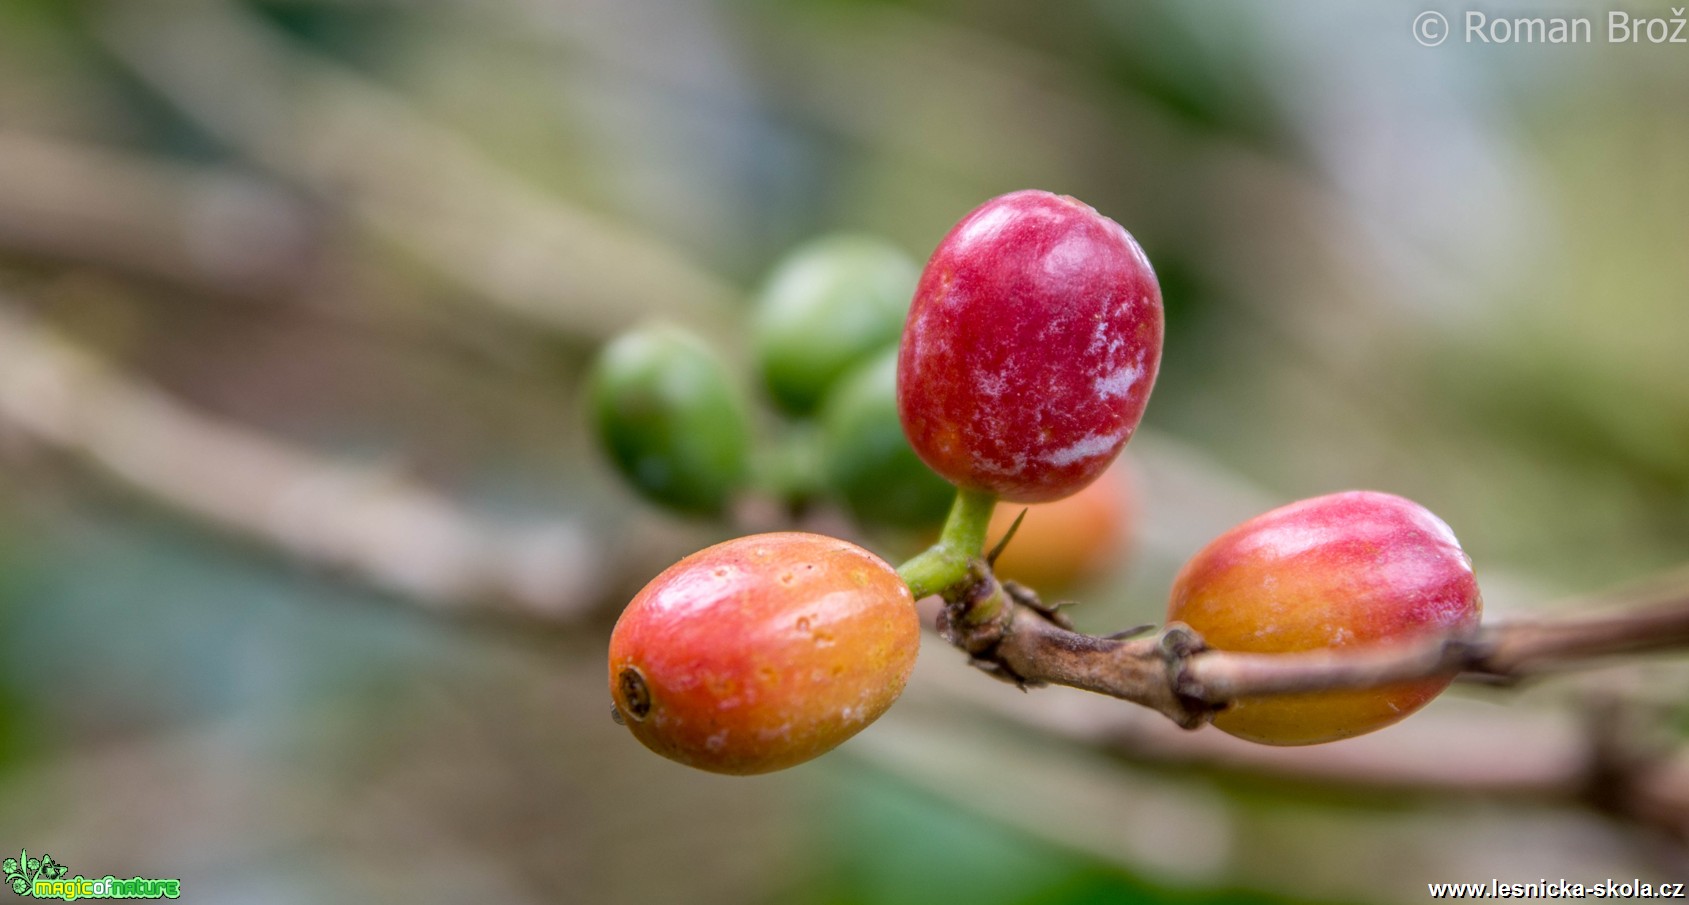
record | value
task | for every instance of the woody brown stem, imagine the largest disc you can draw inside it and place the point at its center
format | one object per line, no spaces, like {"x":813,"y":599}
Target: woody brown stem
{"x":1176,"y":674}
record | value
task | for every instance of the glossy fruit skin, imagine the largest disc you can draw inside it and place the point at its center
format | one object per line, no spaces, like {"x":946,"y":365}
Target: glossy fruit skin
{"x":1076,"y":539}
{"x":866,"y":459}
{"x":669,"y":416}
{"x":1338,"y":571}
{"x":829,"y":305}
{"x":762,"y":652}
{"x":1030,"y":349}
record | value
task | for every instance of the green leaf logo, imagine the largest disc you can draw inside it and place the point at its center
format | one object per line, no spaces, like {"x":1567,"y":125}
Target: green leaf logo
{"x":15,"y":876}
{"x":23,"y":871}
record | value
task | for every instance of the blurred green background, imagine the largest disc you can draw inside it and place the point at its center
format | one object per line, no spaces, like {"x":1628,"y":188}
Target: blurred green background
{"x":307,"y":563}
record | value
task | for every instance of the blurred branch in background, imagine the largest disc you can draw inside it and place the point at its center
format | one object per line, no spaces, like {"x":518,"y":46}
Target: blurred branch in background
{"x":372,"y":524}
{"x":422,"y":188}
{"x":215,"y":233}
{"x":1611,"y":761}
{"x":184,"y":225}
{"x":1617,"y":769}
{"x":1149,"y":801}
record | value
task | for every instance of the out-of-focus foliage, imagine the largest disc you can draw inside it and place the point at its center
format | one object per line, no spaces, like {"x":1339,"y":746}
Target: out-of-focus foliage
{"x":887,"y":833}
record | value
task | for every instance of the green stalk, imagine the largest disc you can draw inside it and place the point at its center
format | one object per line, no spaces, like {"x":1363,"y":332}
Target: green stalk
{"x":945,"y":563}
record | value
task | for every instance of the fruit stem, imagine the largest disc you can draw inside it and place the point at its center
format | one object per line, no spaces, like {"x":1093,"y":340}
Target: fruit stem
{"x":945,"y":564}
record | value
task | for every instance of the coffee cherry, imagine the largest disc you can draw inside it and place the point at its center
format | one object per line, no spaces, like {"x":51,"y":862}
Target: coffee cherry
{"x":1030,"y":348}
{"x":1071,"y":541}
{"x":828,"y":306}
{"x":866,"y":458}
{"x":670,"y":418}
{"x":1340,"y":571}
{"x":762,"y":652}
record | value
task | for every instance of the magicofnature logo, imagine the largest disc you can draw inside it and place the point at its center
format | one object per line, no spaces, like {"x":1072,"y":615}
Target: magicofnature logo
{"x":44,"y":878}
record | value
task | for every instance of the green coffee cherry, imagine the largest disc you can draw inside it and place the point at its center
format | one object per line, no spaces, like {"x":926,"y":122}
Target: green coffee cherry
{"x":667,"y":412}
{"x":829,"y":305}
{"x":867,"y":460}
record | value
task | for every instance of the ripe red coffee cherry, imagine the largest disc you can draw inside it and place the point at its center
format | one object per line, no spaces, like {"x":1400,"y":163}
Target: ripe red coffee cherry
{"x":1030,"y":348}
{"x":762,"y":652}
{"x":1338,"y":571}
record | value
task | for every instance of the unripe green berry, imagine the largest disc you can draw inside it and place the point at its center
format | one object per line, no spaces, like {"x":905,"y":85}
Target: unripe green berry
{"x":668,"y":414}
{"x":867,"y":459}
{"x":829,"y":305}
